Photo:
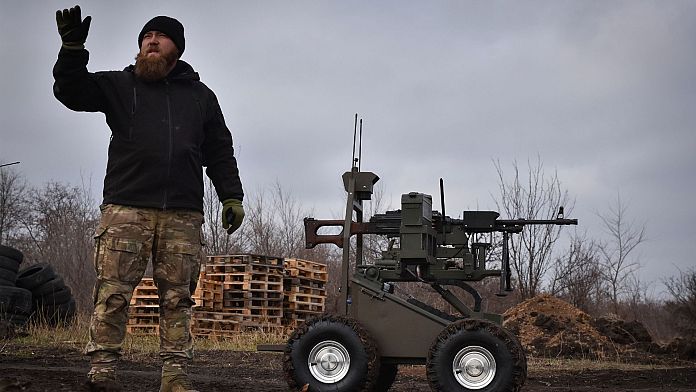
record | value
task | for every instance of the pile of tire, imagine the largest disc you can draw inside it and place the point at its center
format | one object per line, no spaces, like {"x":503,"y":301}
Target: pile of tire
{"x":52,"y":300}
{"x":15,"y":302}
{"x":35,"y":292}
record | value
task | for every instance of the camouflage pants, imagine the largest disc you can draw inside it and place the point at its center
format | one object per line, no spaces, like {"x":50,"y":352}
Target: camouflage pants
{"x":126,"y":239}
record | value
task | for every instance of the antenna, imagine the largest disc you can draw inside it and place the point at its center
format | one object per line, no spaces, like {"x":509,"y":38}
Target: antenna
{"x":442,"y":195}
{"x":360,"y":147}
{"x":8,"y":164}
{"x":442,"y":203}
{"x":355,"y":132}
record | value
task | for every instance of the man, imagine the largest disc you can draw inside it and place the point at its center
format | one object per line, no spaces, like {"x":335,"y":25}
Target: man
{"x":165,"y":127}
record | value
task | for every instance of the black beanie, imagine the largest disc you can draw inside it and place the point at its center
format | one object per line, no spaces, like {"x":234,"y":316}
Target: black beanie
{"x":170,"y":26}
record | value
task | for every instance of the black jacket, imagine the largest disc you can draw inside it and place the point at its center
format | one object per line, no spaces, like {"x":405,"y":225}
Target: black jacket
{"x":162,"y":133}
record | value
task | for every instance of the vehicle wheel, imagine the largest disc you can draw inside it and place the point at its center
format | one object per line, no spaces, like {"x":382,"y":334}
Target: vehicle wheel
{"x":54,"y":285}
{"x":387,"y":375}
{"x":35,"y":275}
{"x":15,"y":300}
{"x":4,"y":282}
{"x":331,"y":353}
{"x":476,"y":355}
{"x":9,"y":264}
{"x":12,"y":253}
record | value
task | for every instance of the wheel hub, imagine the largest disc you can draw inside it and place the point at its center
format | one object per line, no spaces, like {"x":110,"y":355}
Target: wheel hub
{"x":329,"y":362}
{"x":474,"y":367}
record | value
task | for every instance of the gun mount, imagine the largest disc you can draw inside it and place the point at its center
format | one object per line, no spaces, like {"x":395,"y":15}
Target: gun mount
{"x":374,"y":330}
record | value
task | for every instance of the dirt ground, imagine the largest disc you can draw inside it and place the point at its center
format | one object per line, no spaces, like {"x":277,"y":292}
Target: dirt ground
{"x":36,"y":369}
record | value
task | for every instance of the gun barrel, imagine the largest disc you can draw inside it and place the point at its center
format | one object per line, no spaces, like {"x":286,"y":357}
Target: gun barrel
{"x":523,"y":222}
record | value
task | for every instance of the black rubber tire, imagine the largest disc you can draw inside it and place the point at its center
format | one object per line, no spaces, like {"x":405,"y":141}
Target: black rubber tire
{"x":362,"y":371}
{"x":57,"y":298}
{"x":50,"y":287}
{"x":53,"y":315}
{"x":15,"y":300}
{"x":386,"y":377}
{"x":510,"y":360}
{"x":9,"y":264}
{"x":17,"y":320}
{"x":8,"y":276}
{"x":4,"y":282}
{"x":12,"y":253}
{"x":35,"y":275}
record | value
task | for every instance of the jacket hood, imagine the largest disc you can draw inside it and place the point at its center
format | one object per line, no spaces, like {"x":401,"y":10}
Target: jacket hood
{"x":182,"y":70}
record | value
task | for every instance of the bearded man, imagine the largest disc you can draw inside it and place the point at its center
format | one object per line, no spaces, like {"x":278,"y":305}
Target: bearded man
{"x":166,"y":125}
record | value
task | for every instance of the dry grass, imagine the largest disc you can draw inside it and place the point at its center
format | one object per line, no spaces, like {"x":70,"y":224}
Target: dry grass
{"x":542,"y":365}
{"x":75,"y":335}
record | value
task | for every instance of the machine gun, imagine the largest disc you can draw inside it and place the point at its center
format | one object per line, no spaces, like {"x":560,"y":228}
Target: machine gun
{"x":433,"y":248}
{"x":374,"y":330}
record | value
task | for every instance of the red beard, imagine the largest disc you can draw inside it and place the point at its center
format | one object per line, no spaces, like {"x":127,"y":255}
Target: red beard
{"x":152,"y":69}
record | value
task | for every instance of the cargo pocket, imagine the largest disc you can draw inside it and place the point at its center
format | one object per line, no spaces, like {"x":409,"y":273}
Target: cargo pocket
{"x":177,"y":263}
{"x":120,"y":260}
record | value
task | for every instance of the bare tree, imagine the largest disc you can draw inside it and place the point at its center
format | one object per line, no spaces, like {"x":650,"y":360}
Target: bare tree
{"x":682,"y":304}
{"x":538,"y":196}
{"x":13,"y":206}
{"x":618,"y":265}
{"x":217,"y":241}
{"x":577,"y":273}
{"x":61,"y":229}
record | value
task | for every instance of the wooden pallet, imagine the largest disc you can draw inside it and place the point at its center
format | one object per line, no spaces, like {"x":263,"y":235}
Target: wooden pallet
{"x":143,"y":311}
{"x":304,"y":290}
{"x":146,"y":329}
{"x":225,"y":324}
{"x":209,"y":295}
{"x":246,"y":259}
{"x":307,"y":269}
{"x":289,"y":287}
{"x":295,"y":318}
{"x":305,"y":264}
{"x":240,"y":292}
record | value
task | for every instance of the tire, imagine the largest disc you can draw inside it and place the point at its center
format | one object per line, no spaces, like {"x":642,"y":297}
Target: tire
{"x":331,"y":353}
{"x":9,"y":264}
{"x":4,"y":282}
{"x":15,"y":300}
{"x":54,"y":315}
{"x":8,"y":276}
{"x":35,"y":275}
{"x":386,"y":377}
{"x":50,"y":287}
{"x":57,"y":298}
{"x":16,"y":320}
{"x":12,"y":253}
{"x":495,"y":360}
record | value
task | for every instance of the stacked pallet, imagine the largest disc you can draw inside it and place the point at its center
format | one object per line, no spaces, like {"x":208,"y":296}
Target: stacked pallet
{"x":241,"y":292}
{"x":143,"y":312}
{"x":304,"y":290}
{"x":251,"y":291}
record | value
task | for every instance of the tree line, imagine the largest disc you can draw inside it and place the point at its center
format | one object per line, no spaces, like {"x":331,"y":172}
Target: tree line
{"x":55,"y":223}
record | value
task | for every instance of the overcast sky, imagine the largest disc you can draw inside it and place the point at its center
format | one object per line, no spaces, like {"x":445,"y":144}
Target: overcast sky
{"x":603,"y":91}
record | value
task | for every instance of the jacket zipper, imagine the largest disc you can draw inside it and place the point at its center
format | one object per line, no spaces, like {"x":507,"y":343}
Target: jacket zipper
{"x":135,"y":104}
{"x":171,"y":140}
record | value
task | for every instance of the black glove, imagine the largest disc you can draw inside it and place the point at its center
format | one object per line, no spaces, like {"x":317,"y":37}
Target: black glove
{"x":72,"y":29}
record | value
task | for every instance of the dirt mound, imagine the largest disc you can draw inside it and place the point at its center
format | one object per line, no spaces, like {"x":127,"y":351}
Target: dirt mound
{"x":550,"y":327}
{"x":684,"y":348}
{"x":622,"y":332}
